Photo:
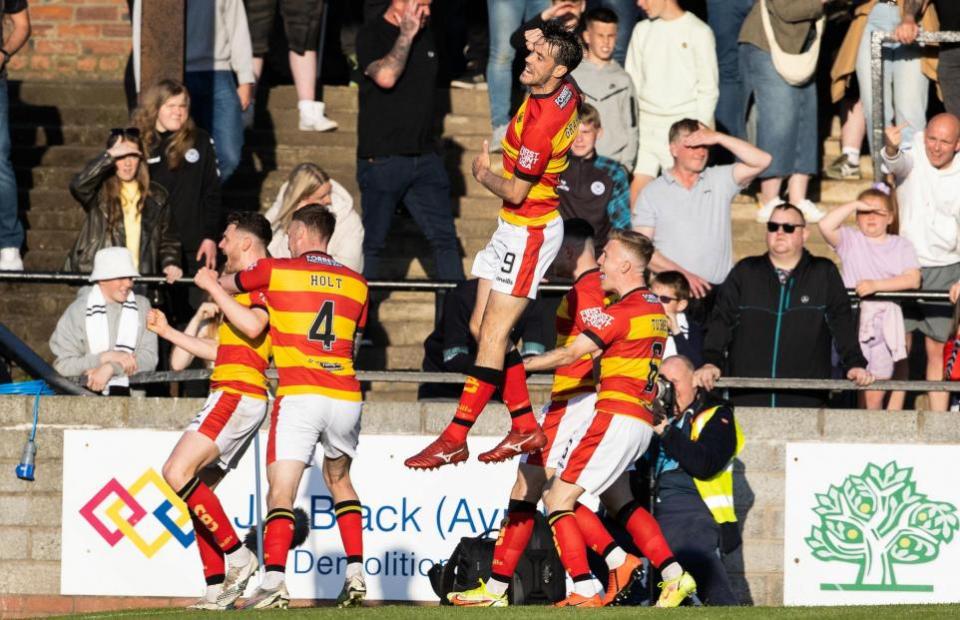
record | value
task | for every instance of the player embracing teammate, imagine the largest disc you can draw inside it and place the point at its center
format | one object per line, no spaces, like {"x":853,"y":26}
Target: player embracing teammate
{"x":528,"y":236}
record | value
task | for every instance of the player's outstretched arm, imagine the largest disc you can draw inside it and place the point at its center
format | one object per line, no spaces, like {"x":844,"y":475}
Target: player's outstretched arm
{"x":186,"y":345}
{"x":556,"y":358}
{"x":250,"y":321}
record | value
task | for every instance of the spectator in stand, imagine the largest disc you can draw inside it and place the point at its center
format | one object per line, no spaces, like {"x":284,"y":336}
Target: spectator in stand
{"x":506,"y":18}
{"x":627,"y":12}
{"x":906,"y":66}
{"x":686,"y":335}
{"x":874,"y":261}
{"x":687,"y":210}
{"x":452,"y":348}
{"x":124,"y":208}
{"x":219,"y":74}
{"x":607,"y":87}
{"x":673,"y":62}
{"x":928,"y":194}
{"x":396,"y":156}
{"x":182,"y":160}
{"x":786,"y":113}
{"x":594,"y":188}
{"x":309,"y":184}
{"x":11,"y":231}
{"x":765,"y":332}
{"x":693,"y":475}
{"x":948,"y":67}
{"x":725,"y":18}
{"x":103,"y":334}
{"x":302,"y":20}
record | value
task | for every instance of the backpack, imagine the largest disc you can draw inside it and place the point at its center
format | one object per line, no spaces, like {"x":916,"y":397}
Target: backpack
{"x":539,"y":579}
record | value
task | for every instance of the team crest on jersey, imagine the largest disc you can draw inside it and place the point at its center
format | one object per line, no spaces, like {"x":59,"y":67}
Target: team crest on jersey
{"x":596,"y":317}
{"x":597,"y":187}
{"x":527,"y":158}
{"x":564,"y":97}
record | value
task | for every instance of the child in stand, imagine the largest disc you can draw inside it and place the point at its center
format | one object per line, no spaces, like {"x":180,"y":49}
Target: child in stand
{"x":686,"y":336}
{"x":873,"y":260}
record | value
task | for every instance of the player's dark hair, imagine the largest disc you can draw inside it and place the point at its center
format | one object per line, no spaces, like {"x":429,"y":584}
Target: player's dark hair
{"x":640,"y":245}
{"x":600,"y":14}
{"x":675,"y":281}
{"x":563,"y":44}
{"x":252,"y":223}
{"x":786,"y":206}
{"x":683,"y":126}
{"x":317,"y":218}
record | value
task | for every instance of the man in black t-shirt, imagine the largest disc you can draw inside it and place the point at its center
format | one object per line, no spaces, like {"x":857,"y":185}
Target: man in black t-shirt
{"x":11,"y":232}
{"x":948,"y":69}
{"x":396,"y":156}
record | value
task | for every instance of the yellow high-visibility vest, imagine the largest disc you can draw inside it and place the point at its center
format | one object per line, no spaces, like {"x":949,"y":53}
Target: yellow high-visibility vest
{"x":717,"y":492}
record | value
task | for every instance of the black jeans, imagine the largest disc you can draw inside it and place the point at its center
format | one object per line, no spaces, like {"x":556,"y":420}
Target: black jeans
{"x":694,"y":538}
{"x":420,"y":182}
{"x":948,"y":74}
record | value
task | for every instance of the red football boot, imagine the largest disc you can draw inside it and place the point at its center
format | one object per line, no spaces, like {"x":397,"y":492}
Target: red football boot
{"x":515,"y":444}
{"x":442,"y":451}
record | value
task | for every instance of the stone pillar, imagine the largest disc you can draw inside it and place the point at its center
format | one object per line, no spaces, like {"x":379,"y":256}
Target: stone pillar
{"x":161,"y":41}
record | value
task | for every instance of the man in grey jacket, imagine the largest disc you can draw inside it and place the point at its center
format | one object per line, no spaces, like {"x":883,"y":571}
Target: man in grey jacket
{"x":607,"y":87}
{"x":102,"y":334}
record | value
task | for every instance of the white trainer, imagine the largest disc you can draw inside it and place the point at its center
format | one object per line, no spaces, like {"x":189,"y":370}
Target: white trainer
{"x":312,"y":117}
{"x":236,"y":580}
{"x":10,"y":259}
{"x":811,"y":212}
{"x":764,"y":212}
{"x":273,"y":598}
{"x":205,"y":604}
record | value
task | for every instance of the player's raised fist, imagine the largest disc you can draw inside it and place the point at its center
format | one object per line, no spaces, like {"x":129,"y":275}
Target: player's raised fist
{"x":157,"y":321}
{"x":206,"y":278}
{"x":481,"y":163}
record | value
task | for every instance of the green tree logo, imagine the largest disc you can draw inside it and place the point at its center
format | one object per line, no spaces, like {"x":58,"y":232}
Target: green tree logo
{"x":876,"y":520}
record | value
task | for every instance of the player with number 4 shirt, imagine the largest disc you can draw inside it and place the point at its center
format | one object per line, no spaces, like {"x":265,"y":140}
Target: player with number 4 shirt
{"x":316,"y":309}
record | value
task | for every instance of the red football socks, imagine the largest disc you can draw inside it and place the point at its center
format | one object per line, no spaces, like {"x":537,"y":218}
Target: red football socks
{"x":595,"y":534}
{"x":515,"y":394}
{"x":478,"y":389}
{"x":277,"y":538}
{"x":211,"y":556}
{"x":513,"y":539}
{"x":350,"y":522}
{"x":646,"y":533}
{"x":205,"y":506}
{"x":570,"y":544}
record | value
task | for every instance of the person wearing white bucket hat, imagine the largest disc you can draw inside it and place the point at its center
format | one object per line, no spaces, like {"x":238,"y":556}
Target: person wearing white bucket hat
{"x":102,"y":334}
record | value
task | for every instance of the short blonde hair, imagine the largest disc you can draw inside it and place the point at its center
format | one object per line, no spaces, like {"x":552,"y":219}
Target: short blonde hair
{"x":639,"y":245}
{"x":589,"y":115}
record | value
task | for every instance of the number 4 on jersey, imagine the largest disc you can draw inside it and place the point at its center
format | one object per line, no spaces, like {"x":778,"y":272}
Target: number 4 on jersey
{"x":322,"y":328}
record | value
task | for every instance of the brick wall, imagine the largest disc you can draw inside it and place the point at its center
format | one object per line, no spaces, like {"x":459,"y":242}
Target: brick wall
{"x":75,"y":39}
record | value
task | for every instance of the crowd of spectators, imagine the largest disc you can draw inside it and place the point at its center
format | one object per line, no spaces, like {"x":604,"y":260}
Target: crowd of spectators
{"x":687,"y":105}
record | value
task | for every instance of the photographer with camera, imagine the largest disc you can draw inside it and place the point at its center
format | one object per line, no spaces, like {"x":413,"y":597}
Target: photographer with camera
{"x":693,"y":473}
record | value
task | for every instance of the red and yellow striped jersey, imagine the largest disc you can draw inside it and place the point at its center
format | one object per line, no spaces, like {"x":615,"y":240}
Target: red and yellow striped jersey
{"x":584,"y":298}
{"x":242,"y":362}
{"x":316,"y":307}
{"x":535,"y":149}
{"x":632,"y":333}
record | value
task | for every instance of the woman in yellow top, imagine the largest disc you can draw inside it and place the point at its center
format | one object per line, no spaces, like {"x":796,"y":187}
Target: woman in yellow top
{"x":124,"y":209}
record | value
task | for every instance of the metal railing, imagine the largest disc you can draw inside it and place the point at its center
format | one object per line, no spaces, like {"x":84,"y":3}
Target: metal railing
{"x":418,"y":376}
{"x":876,"y":83}
{"x":424,"y":286}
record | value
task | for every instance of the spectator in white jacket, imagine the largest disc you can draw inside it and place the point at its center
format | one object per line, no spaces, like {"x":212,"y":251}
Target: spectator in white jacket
{"x":309,"y":184}
{"x":928,"y":193}
{"x":672,"y":59}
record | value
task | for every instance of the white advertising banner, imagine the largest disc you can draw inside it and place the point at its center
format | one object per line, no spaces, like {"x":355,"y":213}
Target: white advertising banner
{"x":125,"y":532}
{"x":871,"y":524}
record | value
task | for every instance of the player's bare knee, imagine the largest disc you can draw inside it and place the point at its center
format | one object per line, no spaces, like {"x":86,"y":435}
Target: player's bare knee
{"x":175,"y":474}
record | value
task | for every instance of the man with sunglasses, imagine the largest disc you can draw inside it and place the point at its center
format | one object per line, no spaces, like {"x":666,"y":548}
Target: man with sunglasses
{"x":776,"y":315}
{"x":686,"y":211}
